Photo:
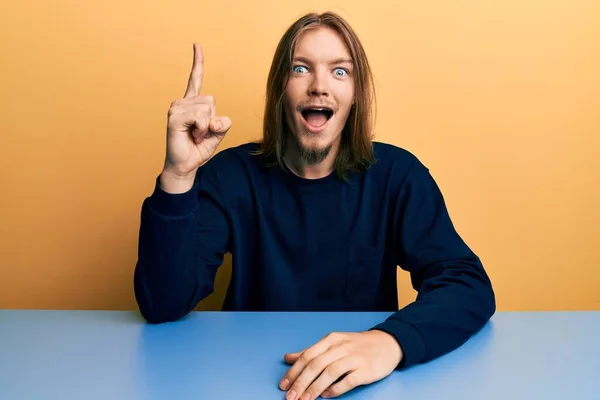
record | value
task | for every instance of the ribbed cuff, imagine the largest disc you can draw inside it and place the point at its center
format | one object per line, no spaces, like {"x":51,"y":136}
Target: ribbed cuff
{"x":174,"y":205}
{"x":409,"y":338}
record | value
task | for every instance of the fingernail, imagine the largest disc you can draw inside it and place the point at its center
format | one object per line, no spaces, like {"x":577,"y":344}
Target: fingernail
{"x":325,"y":394}
{"x":284,"y":384}
{"x":291,"y":395}
{"x":305,"y":396}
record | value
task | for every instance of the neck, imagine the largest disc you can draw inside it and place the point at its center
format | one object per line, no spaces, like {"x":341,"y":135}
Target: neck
{"x":296,"y":163}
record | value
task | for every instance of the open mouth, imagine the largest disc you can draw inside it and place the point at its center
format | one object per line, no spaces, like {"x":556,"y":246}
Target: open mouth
{"x":316,"y":116}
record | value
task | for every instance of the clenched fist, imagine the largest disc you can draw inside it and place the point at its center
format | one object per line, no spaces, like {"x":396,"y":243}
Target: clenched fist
{"x":193,"y":132}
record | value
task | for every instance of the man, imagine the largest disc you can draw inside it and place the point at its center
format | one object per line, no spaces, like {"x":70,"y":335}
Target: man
{"x":316,"y":216}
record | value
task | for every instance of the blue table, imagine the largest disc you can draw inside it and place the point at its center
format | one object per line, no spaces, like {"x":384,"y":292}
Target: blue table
{"x":216,"y":355}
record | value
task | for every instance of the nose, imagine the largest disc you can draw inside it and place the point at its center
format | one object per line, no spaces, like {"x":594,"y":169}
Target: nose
{"x":319,"y":85}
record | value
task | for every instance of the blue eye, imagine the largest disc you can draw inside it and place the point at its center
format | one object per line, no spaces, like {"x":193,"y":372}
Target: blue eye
{"x":299,"y":69}
{"x":340,"y":72}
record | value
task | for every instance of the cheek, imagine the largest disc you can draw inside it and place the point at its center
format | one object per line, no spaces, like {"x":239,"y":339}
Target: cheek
{"x":288,"y":104}
{"x":295,"y":88}
{"x":288,"y":108}
{"x":345,"y":105}
{"x":345,"y":97}
{"x":290,"y":99}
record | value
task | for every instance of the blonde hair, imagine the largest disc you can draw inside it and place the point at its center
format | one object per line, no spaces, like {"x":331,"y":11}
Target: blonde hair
{"x":356,"y":148}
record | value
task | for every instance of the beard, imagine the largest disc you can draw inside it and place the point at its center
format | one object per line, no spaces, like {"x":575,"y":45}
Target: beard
{"x":311,"y":156}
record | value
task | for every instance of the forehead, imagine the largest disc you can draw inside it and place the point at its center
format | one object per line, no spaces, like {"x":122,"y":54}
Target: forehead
{"x":321,"y":44}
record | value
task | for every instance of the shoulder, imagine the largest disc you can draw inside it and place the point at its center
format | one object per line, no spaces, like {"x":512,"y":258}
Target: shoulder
{"x":406,"y":173}
{"x":235,"y":156}
{"x":230,"y":163}
{"x":232,"y":172}
{"x":400,"y":170}
{"x":394,"y":159}
{"x":390,"y":152}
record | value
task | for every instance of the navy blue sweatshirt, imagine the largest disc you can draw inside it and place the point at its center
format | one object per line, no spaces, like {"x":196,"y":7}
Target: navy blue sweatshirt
{"x":315,"y":245}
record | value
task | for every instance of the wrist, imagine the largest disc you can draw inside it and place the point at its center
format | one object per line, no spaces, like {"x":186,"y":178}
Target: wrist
{"x":174,"y":183}
{"x":395,"y":349}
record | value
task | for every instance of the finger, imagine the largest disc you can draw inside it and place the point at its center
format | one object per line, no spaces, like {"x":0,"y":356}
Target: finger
{"x":302,"y":360}
{"x":193,"y":118}
{"x":220,"y":125}
{"x":194,"y":100}
{"x":181,"y":106}
{"x":201,"y":123}
{"x":306,"y":356}
{"x":346,"y":384}
{"x":187,"y":102}
{"x":333,"y":373}
{"x":202,"y":107}
{"x":196,"y":75}
{"x":320,"y":373}
{"x":291,"y":358}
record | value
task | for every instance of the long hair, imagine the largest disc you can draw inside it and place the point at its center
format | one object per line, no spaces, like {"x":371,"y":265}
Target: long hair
{"x":356,"y":148}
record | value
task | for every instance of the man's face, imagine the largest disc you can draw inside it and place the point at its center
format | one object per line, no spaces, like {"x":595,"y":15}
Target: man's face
{"x":319,"y":94}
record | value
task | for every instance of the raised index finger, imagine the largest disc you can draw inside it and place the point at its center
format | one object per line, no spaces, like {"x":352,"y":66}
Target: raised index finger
{"x":195,"y":80}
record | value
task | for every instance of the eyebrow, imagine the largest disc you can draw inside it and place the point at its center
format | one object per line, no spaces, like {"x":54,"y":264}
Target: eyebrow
{"x":335,"y":61}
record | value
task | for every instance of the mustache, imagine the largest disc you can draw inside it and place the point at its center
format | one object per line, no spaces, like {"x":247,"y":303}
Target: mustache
{"x":314,"y":104}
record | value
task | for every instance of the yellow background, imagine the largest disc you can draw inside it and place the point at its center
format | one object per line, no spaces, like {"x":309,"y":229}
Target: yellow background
{"x":501,"y":99}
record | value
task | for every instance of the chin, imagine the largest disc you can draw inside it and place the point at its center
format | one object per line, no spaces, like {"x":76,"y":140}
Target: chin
{"x":313,"y":141}
{"x":313,"y":148}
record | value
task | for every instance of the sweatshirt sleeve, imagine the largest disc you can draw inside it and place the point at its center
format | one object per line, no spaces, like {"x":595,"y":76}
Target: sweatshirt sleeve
{"x":455,"y":297}
{"x":182,"y":241}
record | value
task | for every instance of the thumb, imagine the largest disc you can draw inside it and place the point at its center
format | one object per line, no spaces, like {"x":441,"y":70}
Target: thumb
{"x":220,"y":125}
{"x":291,"y":358}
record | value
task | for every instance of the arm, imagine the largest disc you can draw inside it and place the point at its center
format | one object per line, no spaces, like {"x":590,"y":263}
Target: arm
{"x":182,"y":240}
{"x":455,"y":300}
{"x":455,"y":296}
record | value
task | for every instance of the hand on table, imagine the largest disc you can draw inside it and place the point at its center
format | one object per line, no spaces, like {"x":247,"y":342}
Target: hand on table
{"x":358,"y":358}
